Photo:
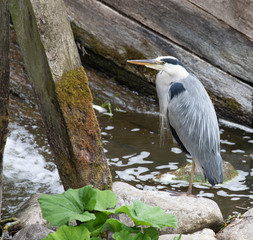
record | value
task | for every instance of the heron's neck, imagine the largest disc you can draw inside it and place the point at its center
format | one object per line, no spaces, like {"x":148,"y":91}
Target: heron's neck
{"x":162,"y":88}
{"x":163,"y":82}
{"x":176,"y":73}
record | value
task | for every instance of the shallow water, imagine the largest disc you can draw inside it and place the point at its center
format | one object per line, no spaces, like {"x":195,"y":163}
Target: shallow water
{"x":136,"y":156}
{"x":131,"y":141}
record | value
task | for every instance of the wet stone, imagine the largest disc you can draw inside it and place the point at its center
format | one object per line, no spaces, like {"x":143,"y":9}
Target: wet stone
{"x":205,"y":234}
{"x":32,"y":232}
{"x":193,"y":213}
{"x":241,"y":228}
{"x":30,"y":212}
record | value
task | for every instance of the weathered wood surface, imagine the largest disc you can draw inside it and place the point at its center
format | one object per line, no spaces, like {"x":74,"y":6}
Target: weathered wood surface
{"x":195,"y":30}
{"x":4,"y":84}
{"x":54,"y":69}
{"x":219,"y":54}
{"x":237,"y":14}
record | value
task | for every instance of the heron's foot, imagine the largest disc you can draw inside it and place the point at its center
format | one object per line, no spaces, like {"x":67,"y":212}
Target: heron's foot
{"x":183,"y":194}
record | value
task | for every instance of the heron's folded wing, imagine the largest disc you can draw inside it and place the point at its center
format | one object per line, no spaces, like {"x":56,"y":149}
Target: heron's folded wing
{"x":192,"y":116}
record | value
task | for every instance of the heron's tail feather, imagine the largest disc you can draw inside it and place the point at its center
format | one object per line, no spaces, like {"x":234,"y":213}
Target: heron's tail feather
{"x":213,"y":172}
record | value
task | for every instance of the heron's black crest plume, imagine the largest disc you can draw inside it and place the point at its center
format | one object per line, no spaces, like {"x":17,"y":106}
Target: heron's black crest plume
{"x":172,"y":61}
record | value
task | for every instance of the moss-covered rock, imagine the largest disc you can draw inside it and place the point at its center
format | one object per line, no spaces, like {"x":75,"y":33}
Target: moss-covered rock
{"x":184,"y":172}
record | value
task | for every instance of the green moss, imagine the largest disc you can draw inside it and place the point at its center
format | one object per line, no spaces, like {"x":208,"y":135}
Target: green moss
{"x":229,"y":171}
{"x":227,"y":103}
{"x":75,"y":99}
{"x":230,"y":109}
{"x":184,"y":172}
{"x":132,"y":53}
{"x":232,"y":104}
{"x":145,"y":42}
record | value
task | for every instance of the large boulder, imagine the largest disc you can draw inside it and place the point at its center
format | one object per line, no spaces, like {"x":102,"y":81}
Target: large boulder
{"x":205,"y":234}
{"x":241,"y":228}
{"x":30,"y":213}
{"x":193,"y":213}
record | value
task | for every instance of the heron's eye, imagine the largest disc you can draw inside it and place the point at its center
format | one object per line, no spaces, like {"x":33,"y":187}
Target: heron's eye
{"x":162,"y":63}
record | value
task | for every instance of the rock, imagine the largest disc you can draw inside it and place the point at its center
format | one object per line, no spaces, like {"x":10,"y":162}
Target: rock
{"x":241,"y":228}
{"x":193,"y":214}
{"x":30,"y":213}
{"x":183,"y":173}
{"x":205,"y":234}
{"x":32,"y":232}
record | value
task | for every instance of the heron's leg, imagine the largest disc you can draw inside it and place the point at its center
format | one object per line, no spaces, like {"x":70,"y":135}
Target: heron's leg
{"x":189,"y":191}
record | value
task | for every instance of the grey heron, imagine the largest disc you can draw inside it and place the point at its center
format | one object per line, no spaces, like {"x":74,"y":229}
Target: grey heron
{"x":187,"y":110}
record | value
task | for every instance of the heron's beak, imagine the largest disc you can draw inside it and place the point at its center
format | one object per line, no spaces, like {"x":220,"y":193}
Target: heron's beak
{"x":145,"y":62}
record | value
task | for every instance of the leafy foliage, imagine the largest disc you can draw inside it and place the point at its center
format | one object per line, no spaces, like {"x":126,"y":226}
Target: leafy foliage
{"x":90,"y":208}
{"x":70,"y":232}
{"x":108,"y":103}
{"x":143,"y":214}
{"x":74,"y":204}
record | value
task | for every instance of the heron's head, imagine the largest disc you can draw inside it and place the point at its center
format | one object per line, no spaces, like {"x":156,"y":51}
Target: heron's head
{"x":168,"y":64}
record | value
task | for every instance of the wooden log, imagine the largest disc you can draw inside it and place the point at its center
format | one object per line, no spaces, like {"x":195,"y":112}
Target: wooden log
{"x":54,"y":68}
{"x":4,"y":84}
{"x":237,"y":14}
{"x":114,"y":31}
{"x":196,"y":30}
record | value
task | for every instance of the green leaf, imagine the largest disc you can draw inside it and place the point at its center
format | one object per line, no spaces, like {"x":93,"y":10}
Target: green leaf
{"x":70,"y":233}
{"x":83,"y":198}
{"x":152,"y":233}
{"x":94,"y":226}
{"x":142,"y":236}
{"x":149,"y":234}
{"x":63,"y":208}
{"x":105,"y":199}
{"x":143,"y":214}
{"x":123,"y":235}
{"x":114,"y":225}
{"x":59,"y":210}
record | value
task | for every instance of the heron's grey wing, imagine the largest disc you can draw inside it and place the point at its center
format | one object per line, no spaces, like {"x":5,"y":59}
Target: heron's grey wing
{"x":191,"y":114}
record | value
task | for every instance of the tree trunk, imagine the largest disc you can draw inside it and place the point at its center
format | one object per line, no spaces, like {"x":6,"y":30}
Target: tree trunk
{"x":60,"y":83}
{"x":4,"y":84}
